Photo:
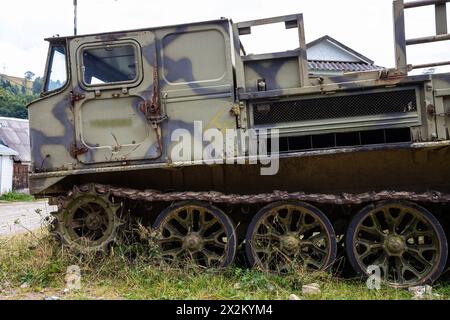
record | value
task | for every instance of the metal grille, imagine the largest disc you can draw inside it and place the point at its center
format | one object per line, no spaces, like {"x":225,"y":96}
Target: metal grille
{"x":366,"y":104}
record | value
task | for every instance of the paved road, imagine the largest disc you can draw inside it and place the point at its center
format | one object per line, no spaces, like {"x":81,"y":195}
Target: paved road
{"x":20,"y":217}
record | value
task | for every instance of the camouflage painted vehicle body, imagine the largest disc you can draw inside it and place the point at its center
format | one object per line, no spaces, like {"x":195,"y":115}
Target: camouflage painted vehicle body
{"x":346,"y":143}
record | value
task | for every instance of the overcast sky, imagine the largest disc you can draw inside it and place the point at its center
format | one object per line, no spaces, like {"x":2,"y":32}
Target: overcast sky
{"x":364,"y":25}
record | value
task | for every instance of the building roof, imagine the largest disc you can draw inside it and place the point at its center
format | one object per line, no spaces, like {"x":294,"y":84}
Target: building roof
{"x":341,"y":66}
{"x":328,"y":54}
{"x":15,"y":134}
{"x":5,"y":151}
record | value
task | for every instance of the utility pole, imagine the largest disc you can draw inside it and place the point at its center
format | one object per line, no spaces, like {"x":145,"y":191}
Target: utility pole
{"x":75,"y":17}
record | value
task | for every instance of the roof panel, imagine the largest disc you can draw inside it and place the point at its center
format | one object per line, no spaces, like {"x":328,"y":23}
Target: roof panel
{"x":341,"y":66}
{"x":5,"y":151}
{"x":15,"y":134}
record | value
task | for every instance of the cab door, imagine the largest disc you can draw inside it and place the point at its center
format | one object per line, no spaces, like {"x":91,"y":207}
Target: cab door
{"x":110,"y":89}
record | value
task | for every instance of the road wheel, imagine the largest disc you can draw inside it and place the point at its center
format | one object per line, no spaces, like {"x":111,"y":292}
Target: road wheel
{"x":198,"y":233}
{"x":403,"y":239}
{"x":288,"y":234}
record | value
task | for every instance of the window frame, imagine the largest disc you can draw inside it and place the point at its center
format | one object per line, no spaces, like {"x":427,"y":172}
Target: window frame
{"x":112,"y":85}
{"x":48,"y":69}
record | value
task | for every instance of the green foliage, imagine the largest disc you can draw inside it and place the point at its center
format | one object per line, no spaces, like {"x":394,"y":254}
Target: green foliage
{"x":131,"y":272}
{"x":16,"y":197}
{"x":14,"y":99}
{"x":29,"y":75}
{"x":38,"y":86}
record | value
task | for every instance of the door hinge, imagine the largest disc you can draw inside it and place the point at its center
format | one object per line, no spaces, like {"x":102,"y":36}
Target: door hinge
{"x":76,"y":150}
{"x":431,"y":110}
{"x":74,"y":97}
{"x":238,"y":111}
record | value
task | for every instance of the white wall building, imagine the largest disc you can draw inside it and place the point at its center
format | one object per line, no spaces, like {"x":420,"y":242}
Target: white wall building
{"x":15,"y":134}
{"x":6,"y":168}
{"x":329,"y":57}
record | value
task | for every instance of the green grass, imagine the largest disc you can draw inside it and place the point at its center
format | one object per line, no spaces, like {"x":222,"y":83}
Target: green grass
{"x":16,"y":197}
{"x":134,"y":272}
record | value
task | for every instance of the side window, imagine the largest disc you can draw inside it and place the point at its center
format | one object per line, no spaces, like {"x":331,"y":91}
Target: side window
{"x":110,"y":64}
{"x":187,"y":61}
{"x":57,"y":73}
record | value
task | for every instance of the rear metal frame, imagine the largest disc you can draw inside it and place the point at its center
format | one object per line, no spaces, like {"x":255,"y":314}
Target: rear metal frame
{"x":290,"y":21}
{"x":401,"y":42}
{"x":355,"y":79}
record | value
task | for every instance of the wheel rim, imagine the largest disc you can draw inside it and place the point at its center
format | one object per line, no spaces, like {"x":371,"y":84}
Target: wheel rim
{"x":196,"y":233}
{"x":88,"y":221}
{"x":91,"y":221}
{"x":285,"y":235}
{"x":402,"y":239}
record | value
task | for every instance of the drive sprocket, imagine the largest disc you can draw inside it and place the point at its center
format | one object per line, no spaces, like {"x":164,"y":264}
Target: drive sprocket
{"x":87,"y":220}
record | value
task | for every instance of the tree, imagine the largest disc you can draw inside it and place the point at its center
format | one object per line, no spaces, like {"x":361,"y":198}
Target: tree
{"x":13,"y":102}
{"x":37,"y":85}
{"x":29,"y":75}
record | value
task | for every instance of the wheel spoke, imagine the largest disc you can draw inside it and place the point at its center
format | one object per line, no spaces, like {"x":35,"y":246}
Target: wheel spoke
{"x":389,"y":219}
{"x":420,"y":258}
{"x":382,"y":262}
{"x":369,"y":244}
{"x":87,"y":212}
{"x":216,"y":243}
{"x":77,"y":223}
{"x":173,"y":231}
{"x":308,"y":227}
{"x":212,"y":256}
{"x":300,"y":222}
{"x":190,"y":219}
{"x":399,"y":219}
{"x":377,"y":224}
{"x":400,"y":269}
{"x":312,"y":243}
{"x":410,"y":228}
{"x":206,"y":225}
{"x":172,"y":238}
{"x":174,"y":253}
{"x":366,"y":254}
{"x":267,"y":236}
{"x":313,"y":262}
{"x":400,"y":253}
{"x":215,"y":235}
{"x":278,"y":221}
{"x":276,"y":244}
{"x":200,"y":235}
{"x":371,"y":230}
{"x":272,"y":231}
{"x":183,"y":222}
{"x":414,"y":271}
{"x":287,"y":222}
{"x":420,"y":249}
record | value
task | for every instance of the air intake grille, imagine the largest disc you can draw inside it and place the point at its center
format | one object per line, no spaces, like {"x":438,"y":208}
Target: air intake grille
{"x":400,"y":101}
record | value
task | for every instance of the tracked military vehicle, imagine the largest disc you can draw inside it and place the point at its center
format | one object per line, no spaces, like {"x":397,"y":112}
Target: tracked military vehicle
{"x":364,"y":157}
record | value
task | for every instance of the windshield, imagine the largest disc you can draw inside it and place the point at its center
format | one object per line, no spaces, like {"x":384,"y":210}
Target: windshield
{"x":57,"y":73}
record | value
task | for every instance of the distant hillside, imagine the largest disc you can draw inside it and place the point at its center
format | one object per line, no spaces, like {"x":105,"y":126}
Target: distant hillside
{"x":15,"y":94}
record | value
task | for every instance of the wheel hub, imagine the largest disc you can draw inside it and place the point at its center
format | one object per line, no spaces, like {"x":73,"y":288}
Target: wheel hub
{"x":193,"y":242}
{"x":93,"y":222}
{"x":87,"y":221}
{"x":395,"y":245}
{"x":290,"y":243}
